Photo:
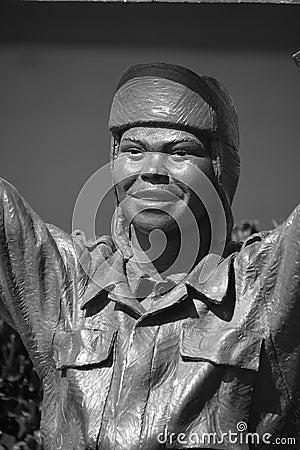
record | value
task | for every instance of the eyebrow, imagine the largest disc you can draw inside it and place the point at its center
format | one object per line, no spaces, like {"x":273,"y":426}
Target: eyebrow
{"x":132,"y":139}
{"x":171,"y":142}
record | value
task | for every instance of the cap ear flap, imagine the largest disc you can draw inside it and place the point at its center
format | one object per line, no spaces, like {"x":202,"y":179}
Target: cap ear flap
{"x":121,"y":233}
{"x":225,"y":148}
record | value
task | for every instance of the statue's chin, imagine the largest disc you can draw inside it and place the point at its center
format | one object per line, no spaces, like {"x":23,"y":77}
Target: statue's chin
{"x":151,"y":220}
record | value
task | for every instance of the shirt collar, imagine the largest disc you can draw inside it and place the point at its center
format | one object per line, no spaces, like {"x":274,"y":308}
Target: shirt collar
{"x":122,"y":280}
{"x":213,"y":278}
{"x":111,"y":277}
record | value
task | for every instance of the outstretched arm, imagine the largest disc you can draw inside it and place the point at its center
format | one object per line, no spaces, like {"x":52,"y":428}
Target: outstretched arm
{"x":282,"y":297}
{"x":275,"y":265}
{"x":39,"y":278}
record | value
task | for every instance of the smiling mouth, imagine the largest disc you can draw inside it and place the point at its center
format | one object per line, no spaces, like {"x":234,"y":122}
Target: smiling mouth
{"x":156,"y":195}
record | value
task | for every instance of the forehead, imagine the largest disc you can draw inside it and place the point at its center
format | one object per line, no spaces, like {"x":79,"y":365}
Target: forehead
{"x":156,"y":135}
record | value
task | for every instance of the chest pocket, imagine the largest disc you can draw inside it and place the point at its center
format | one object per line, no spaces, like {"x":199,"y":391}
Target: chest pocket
{"x":83,"y":348}
{"x":221,"y":346}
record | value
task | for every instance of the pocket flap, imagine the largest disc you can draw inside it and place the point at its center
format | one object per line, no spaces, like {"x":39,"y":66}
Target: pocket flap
{"x":82,"y":347}
{"x":225,"y":346}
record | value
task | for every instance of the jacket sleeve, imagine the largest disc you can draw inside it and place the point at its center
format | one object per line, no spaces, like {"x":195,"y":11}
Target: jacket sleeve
{"x":274,"y":268}
{"x":282,"y":299}
{"x":40,"y":276}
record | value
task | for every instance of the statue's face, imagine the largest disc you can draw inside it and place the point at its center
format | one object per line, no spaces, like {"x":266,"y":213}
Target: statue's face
{"x":153,"y":171}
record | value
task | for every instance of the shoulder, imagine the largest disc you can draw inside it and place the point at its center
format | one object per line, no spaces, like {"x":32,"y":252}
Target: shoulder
{"x":267,"y":266}
{"x":76,"y":249}
{"x":78,"y":239}
{"x":102,"y":245}
{"x":270,"y":241}
{"x":95,"y":250}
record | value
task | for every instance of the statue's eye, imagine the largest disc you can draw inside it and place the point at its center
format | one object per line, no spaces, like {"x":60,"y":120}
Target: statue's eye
{"x":133,"y":151}
{"x":180,"y":153}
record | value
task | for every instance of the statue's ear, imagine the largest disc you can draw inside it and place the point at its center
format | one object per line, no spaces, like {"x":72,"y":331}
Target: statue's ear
{"x":296,"y":57}
{"x":216,"y":159}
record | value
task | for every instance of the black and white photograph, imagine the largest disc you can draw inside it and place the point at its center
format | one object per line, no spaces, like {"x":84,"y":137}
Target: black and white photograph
{"x":149,"y":225}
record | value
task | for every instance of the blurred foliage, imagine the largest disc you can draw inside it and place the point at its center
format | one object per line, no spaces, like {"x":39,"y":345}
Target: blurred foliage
{"x":20,"y":387}
{"x":20,"y":395}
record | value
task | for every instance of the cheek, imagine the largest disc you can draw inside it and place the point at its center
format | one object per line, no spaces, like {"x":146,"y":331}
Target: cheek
{"x":121,"y":169}
{"x":193,"y":173}
{"x":124,"y":174}
{"x":198,"y":178}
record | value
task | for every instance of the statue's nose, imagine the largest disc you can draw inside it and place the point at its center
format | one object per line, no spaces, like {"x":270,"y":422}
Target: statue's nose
{"x":155,"y":178}
{"x":154,"y":170}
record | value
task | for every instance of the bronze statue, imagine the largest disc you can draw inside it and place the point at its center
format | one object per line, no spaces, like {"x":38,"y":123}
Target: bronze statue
{"x":138,"y":349}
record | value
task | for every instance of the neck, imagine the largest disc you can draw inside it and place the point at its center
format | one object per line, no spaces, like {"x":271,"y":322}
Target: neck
{"x":175,"y":251}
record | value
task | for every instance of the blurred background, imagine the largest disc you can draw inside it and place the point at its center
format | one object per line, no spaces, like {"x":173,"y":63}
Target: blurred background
{"x":60,"y":64}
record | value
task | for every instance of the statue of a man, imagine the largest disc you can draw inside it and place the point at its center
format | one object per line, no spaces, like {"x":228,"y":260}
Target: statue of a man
{"x":191,"y":347}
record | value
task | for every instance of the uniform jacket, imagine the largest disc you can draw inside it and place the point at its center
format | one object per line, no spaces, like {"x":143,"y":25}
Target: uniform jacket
{"x":203,"y":359}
